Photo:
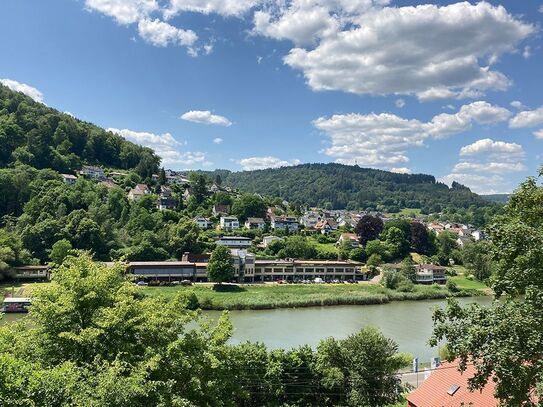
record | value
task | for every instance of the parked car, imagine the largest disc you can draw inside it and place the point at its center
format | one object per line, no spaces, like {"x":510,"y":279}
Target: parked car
{"x":318,"y":280}
{"x":142,"y":283}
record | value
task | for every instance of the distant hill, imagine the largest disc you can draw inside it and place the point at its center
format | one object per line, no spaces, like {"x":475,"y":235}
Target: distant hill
{"x":497,"y":198}
{"x":342,"y":186}
{"x":35,"y":134}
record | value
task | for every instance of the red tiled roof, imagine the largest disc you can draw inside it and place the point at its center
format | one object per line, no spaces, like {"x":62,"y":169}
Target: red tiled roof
{"x":434,"y":391}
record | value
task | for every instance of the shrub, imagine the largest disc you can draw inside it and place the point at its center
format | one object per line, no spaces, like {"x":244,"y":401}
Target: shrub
{"x":451,"y":286}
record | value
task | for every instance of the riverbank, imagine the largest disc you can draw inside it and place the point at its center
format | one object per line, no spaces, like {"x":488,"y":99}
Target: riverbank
{"x":270,"y":296}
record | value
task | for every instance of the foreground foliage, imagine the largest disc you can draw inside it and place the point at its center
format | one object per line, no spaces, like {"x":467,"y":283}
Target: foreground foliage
{"x":505,"y":342}
{"x":92,"y":339}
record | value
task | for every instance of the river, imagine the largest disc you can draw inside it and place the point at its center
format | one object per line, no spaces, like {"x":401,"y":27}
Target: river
{"x":408,"y":323}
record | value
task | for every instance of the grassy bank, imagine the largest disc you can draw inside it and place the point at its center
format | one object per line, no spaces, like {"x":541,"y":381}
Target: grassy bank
{"x":291,"y":296}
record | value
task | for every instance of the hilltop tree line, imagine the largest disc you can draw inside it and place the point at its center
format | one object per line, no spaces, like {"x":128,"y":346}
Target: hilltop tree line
{"x":336,"y":186}
{"x":34,"y":134}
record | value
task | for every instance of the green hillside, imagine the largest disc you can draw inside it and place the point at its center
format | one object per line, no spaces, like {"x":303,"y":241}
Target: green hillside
{"x":341,"y":186}
{"x":34,"y":134}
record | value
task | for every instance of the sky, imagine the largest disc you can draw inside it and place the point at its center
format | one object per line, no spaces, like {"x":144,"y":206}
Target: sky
{"x":452,"y":89}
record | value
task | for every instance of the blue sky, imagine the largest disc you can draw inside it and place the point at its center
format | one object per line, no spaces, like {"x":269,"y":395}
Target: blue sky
{"x":447,"y":88}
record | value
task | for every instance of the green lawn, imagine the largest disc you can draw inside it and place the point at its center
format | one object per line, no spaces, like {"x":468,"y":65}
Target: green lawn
{"x":267,"y":296}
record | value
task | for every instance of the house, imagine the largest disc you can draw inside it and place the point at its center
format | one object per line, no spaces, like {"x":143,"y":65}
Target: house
{"x":266,"y":240}
{"x":203,"y":223}
{"x":255,"y":223}
{"x":229,"y":222}
{"x":310,"y":219}
{"x":166,"y":199}
{"x":436,"y":227}
{"x":351,"y":238}
{"x":138,"y":191}
{"x":448,"y":387}
{"x":34,"y":272}
{"x":397,"y":267}
{"x":326,"y":226}
{"x":108,"y":183}
{"x":93,"y":172}
{"x":69,"y":178}
{"x":220,"y":209}
{"x":430,"y":273}
{"x":284,"y":222}
{"x":478,"y":235}
{"x":235,"y":242}
{"x":187,"y":193}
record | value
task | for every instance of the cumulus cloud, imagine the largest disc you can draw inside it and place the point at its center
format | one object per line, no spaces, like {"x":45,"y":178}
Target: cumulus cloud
{"x":23,"y":88}
{"x":517,"y":104}
{"x":492,"y":167}
{"x":161,"y":34}
{"x":539,"y":134}
{"x":527,"y":118}
{"x":259,"y":163}
{"x":218,"y":140}
{"x":205,"y":117}
{"x":495,"y":148}
{"x":165,"y":145}
{"x":382,"y":140}
{"x":400,"y":170}
{"x":387,"y":50}
{"x":481,"y":184}
{"x":123,"y":11}
{"x":225,"y":8}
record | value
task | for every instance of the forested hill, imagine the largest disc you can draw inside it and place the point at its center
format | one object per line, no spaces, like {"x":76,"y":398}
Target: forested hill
{"x":342,"y":186}
{"x":35,"y":134}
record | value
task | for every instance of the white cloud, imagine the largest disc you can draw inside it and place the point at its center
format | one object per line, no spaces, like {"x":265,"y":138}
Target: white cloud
{"x":124,"y":11}
{"x":481,"y":184}
{"x":388,"y":50}
{"x":222,"y":7}
{"x":495,"y":148}
{"x":492,"y":167}
{"x":539,"y":134}
{"x":218,"y":140}
{"x":259,"y":163}
{"x":382,"y":140}
{"x":401,"y":170}
{"x":161,"y":34}
{"x":517,"y":104}
{"x":23,"y":88}
{"x":205,"y":117}
{"x":399,"y":103}
{"x":527,"y":53}
{"x":165,"y":145}
{"x":527,"y":118}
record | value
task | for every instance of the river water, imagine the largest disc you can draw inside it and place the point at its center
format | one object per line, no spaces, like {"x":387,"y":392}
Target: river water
{"x":408,"y":323}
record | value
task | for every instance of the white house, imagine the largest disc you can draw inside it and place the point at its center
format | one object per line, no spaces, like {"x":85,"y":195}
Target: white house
{"x":352,"y":238}
{"x":430,"y":273}
{"x":235,"y":242}
{"x":284,"y":222}
{"x":255,"y":223}
{"x":166,"y":199}
{"x":138,"y":191}
{"x":203,"y":223}
{"x":69,"y":179}
{"x":93,"y":172}
{"x":229,"y":222}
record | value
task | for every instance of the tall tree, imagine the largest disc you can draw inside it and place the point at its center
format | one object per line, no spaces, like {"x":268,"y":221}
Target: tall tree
{"x":368,"y":228}
{"x":421,"y":241}
{"x":505,"y":341}
{"x":220,"y":268}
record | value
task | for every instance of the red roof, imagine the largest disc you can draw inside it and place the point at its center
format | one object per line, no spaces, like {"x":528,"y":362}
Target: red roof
{"x":439,"y":390}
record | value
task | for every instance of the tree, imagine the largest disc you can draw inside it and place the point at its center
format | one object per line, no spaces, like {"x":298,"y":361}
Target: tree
{"x":408,"y":269}
{"x":162,"y":177}
{"x":421,"y":241}
{"x":476,"y":258}
{"x":220,"y":268}
{"x":60,"y":251}
{"x":298,"y":247}
{"x":505,"y":341}
{"x":361,"y":369}
{"x":198,"y":184}
{"x":368,"y":228}
{"x":249,"y":206}
{"x":397,"y":241}
{"x":446,"y":244}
